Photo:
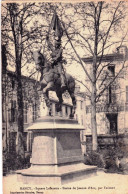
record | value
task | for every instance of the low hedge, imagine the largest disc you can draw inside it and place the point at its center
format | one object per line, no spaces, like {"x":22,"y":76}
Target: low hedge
{"x":109,"y":159}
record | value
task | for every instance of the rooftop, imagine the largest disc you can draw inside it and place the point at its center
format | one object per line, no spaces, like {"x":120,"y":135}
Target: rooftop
{"x":121,"y":54}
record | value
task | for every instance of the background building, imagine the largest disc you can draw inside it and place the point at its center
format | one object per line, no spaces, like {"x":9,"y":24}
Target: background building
{"x":112,"y":108}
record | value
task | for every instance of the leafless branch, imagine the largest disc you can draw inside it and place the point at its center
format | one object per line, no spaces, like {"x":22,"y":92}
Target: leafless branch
{"x":100,"y":94}
{"x":77,"y":54}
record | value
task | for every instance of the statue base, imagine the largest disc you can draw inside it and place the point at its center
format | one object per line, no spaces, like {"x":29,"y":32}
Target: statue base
{"x":56,"y":153}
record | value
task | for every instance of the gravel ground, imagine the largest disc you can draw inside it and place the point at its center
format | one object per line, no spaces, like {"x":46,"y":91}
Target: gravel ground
{"x":105,"y":183}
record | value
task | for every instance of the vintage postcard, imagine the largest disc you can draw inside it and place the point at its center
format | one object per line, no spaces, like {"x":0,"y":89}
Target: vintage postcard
{"x":64,"y":72}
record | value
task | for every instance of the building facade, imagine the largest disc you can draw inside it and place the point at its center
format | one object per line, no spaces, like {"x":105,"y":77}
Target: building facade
{"x":112,"y":108}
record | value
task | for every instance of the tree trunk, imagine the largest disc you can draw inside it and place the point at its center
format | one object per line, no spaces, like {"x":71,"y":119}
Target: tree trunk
{"x":20,"y":142}
{"x":93,"y":95}
{"x":93,"y":108}
{"x":93,"y":119}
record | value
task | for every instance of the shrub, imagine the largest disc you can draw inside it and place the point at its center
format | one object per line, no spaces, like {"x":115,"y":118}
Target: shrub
{"x":12,"y":162}
{"x":94,"y":158}
{"x":106,"y":158}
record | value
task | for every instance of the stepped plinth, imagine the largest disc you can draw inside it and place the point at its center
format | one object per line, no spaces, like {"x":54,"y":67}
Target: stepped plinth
{"x":56,"y":153}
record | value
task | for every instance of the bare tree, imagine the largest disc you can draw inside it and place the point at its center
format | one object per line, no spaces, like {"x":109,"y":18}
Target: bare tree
{"x":94,"y":36}
{"x":17,"y":36}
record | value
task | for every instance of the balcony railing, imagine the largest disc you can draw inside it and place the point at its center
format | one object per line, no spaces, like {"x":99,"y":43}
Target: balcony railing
{"x":108,"y":108}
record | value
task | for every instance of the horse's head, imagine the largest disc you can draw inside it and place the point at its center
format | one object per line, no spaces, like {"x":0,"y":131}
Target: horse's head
{"x":39,"y":60}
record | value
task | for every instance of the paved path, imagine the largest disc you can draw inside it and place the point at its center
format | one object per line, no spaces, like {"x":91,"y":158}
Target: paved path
{"x":102,"y":183}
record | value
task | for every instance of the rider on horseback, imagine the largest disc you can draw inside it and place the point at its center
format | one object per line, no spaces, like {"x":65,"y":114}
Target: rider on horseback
{"x":57,"y":58}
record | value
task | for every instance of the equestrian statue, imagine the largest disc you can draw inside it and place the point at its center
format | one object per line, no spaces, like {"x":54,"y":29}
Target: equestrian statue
{"x":50,"y":80}
{"x":53,"y":76}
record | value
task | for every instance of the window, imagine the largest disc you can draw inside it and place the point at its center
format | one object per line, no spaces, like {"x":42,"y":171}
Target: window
{"x":111,"y":68}
{"x":127,"y":94}
{"x":112,"y":118}
{"x":110,"y":94}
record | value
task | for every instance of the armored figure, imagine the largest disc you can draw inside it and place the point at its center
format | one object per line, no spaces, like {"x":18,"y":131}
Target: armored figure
{"x":57,"y":59}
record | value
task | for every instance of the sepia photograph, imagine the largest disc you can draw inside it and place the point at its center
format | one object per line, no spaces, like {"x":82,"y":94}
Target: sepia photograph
{"x":64,"y":97}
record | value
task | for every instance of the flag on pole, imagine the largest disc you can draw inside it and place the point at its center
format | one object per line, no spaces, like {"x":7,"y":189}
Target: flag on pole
{"x":56,"y":26}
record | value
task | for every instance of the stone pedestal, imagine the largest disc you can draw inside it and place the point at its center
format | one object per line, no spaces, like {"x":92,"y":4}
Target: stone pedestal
{"x":56,"y":153}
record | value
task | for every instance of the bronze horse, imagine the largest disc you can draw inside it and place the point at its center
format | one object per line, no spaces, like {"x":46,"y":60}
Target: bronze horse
{"x":50,"y":81}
